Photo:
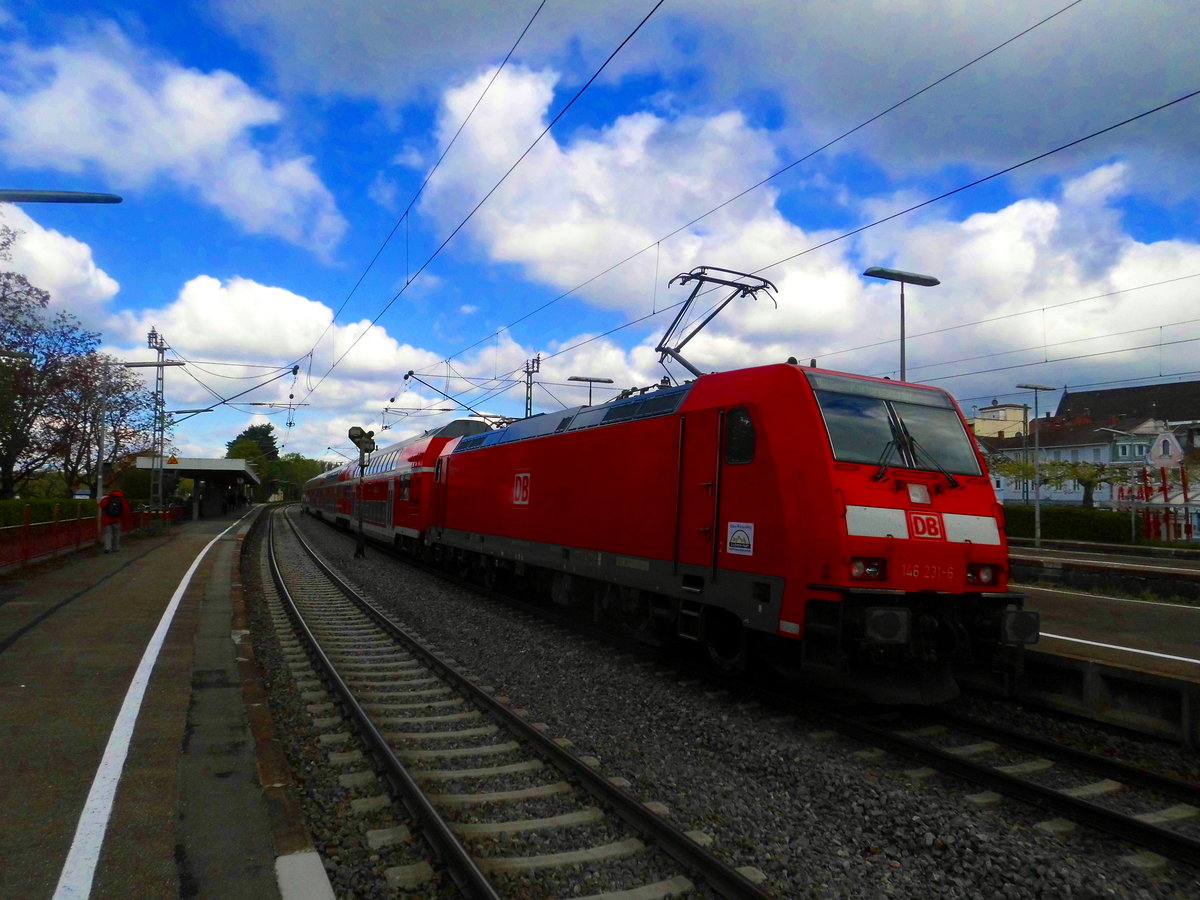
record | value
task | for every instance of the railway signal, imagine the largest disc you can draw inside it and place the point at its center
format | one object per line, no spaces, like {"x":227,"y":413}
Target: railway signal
{"x":365,"y":442}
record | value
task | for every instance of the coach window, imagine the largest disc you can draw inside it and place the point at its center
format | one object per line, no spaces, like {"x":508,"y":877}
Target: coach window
{"x":739,"y":437}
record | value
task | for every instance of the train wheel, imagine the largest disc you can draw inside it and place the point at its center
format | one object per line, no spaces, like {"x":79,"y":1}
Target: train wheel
{"x":725,"y":639}
{"x":635,"y":610}
{"x":561,"y":589}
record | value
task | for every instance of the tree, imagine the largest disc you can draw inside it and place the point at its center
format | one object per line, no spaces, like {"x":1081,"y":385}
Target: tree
{"x":36,"y":355}
{"x":291,"y":471}
{"x":263,"y":436}
{"x":1057,"y":472}
{"x":101,"y":394}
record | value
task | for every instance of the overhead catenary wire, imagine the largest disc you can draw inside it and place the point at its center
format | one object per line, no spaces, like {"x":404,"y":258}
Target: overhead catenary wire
{"x":773,"y":176}
{"x":490,"y":192}
{"x":403,"y":219}
{"x":945,"y":194}
{"x":1002,"y":317}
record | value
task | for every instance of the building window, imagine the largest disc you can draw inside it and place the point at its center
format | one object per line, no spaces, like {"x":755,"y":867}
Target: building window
{"x":1166,"y":450}
{"x":1123,"y":450}
{"x":1074,"y":454}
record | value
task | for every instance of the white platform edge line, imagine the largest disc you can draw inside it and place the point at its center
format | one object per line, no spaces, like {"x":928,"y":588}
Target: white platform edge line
{"x":75,"y":881}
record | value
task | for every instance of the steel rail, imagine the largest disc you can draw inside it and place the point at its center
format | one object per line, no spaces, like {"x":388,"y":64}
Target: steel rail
{"x":458,"y":861}
{"x":1178,"y":788}
{"x":726,"y":881}
{"x":1152,"y":837}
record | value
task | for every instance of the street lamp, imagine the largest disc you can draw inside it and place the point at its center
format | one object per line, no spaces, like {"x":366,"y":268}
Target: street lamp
{"x":11,"y":196}
{"x":364,"y":441}
{"x":1037,"y":479}
{"x":904,"y":278}
{"x":590,"y":381}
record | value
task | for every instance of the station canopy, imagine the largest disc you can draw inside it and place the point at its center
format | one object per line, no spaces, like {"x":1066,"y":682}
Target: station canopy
{"x":220,"y":471}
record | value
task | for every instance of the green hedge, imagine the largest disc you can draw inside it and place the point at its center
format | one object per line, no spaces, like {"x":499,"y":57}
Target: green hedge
{"x":1070,"y":523}
{"x":12,"y":512}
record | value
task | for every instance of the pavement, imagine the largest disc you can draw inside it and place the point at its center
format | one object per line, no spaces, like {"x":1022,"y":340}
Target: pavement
{"x":201,"y":797}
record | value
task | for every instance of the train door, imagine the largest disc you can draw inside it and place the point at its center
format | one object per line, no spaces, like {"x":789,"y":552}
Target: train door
{"x":698,"y":491}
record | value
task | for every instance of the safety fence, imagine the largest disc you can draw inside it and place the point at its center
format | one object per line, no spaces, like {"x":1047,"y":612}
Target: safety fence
{"x":30,"y":542}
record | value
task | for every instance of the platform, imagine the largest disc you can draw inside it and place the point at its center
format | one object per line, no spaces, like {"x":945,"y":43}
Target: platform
{"x":104,"y":796}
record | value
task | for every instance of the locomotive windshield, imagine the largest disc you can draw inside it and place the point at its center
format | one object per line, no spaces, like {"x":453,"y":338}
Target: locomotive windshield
{"x":893,"y":425}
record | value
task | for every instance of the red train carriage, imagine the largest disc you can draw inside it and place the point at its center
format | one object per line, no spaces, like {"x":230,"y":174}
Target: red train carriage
{"x":395,"y":487}
{"x":837,"y":524}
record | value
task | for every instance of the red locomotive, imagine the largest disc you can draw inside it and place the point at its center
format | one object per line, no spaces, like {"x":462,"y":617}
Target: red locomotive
{"x":834,"y":525}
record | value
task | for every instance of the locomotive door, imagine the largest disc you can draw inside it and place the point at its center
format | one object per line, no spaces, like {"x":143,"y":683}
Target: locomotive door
{"x":698,"y":491}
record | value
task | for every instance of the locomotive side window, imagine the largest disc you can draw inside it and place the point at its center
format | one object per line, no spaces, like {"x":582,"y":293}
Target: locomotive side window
{"x":739,"y":437}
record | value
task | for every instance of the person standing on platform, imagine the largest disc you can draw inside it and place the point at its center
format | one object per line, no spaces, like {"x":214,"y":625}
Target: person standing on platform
{"x":113,"y":510}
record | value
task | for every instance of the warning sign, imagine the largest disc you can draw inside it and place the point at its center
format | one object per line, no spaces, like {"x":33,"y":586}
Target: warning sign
{"x":740,"y":538}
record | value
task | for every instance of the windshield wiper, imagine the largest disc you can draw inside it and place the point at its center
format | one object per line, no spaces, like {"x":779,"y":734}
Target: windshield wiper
{"x":918,"y":451}
{"x":883,"y":460}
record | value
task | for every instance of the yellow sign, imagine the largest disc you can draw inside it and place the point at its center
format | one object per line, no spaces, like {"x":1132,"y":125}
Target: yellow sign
{"x":172,"y":461}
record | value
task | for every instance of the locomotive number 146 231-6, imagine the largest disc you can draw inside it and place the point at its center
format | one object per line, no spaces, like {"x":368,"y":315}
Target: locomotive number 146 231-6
{"x":924,"y":571}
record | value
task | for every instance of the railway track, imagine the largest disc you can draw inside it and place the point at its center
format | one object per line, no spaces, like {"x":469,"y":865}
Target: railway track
{"x":505,"y":809}
{"x":1150,"y":810}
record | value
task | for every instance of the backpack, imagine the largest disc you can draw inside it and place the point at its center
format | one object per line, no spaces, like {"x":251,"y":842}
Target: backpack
{"x":112,"y":507}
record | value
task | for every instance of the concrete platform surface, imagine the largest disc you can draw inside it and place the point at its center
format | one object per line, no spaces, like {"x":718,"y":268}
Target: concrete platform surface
{"x":174,"y":806}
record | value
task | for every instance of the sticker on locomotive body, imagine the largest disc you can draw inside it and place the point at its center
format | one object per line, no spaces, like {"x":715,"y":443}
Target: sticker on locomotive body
{"x":740,"y":538}
{"x":521,"y":489}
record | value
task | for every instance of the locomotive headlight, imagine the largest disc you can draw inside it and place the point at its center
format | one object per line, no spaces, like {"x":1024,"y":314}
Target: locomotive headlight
{"x":981,"y":574}
{"x":866,"y":568}
{"x":886,"y":625}
{"x":918,"y":493}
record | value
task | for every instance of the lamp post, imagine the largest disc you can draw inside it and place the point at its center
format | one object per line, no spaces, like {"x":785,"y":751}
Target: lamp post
{"x":364,"y":441}
{"x":1037,"y":479}
{"x":590,"y":381}
{"x":904,"y":278}
{"x":13,"y":196}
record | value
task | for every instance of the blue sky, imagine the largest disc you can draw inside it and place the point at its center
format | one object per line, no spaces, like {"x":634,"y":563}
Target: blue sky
{"x":266,"y":148}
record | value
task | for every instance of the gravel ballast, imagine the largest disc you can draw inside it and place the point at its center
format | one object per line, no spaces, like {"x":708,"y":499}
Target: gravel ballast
{"x":774,"y":792}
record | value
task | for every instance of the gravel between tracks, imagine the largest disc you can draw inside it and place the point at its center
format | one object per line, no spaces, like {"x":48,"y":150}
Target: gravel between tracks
{"x":770,"y":790}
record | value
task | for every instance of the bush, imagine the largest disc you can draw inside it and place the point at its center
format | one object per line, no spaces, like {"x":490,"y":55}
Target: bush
{"x":1070,"y":523}
{"x":12,"y":512}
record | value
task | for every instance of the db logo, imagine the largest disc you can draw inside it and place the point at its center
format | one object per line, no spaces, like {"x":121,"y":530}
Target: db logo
{"x":926,"y":526}
{"x":521,"y":489}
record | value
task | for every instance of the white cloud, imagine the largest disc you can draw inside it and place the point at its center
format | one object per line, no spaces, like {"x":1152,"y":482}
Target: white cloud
{"x":573,"y":209}
{"x":61,"y":265}
{"x":824,"y":68}
{"x":100,"y":102}
{"x":397,"y":53}
{"x":576,"y":207}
